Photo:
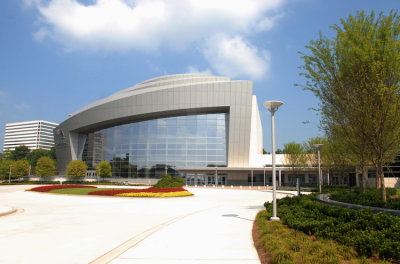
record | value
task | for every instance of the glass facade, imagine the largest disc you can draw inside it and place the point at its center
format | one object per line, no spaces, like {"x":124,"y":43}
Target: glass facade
{"x":149,"y":148}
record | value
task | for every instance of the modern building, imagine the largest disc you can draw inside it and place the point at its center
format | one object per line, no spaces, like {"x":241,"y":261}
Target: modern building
{"x":33,"y":134}
{"x":205,"y":127}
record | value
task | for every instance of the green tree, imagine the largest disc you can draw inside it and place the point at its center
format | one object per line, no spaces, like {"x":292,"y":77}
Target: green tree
{"x":295,"y":157}
{"x":5,"y":168}
{"x":19,"y":153}
{"x":36,"y":154}
{"x":103,"y":169}
{"x":356,"y":76}
{"x":20,"y":168}
{"x":76,"y":168}
{"x":45,"y":167}
{"x":52,"y":153}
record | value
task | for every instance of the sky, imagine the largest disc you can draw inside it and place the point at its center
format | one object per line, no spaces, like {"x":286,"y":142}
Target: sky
{"x":57,"y":56}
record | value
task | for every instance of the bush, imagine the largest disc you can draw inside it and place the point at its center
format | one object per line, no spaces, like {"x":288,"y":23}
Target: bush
{"x":367,"y":232}
{"x":370,"y":197}
{"x":168,"y":181}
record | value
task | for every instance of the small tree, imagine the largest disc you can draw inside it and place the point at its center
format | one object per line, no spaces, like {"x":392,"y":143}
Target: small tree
{"x":76,"y":168}
{"x":20,"y":169}
{"x":36,"y":154}
{"x":5,"y":168}
{"x":103,"y":169}
{"x":45,"y":167}
{"x":295,"y":156}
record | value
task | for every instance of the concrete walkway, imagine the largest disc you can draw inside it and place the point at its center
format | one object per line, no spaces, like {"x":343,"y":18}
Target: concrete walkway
{"x":214,"y":226}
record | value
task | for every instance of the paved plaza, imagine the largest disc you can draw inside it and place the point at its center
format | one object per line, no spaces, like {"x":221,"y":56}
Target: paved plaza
{"x":213,"y":226}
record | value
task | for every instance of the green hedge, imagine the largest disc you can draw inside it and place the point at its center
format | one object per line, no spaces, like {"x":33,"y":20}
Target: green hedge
{"x":370,"y":197}
{"x":369,"y":234}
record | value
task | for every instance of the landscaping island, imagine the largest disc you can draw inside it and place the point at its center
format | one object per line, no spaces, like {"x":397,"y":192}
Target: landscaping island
{"x":120,"y":192}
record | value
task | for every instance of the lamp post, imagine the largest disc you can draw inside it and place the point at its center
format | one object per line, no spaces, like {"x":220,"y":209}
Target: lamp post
{"x":216,"y":176}
{"x":9,"y":175}
{"x":273,"y":106}
{"x":318,"y":146}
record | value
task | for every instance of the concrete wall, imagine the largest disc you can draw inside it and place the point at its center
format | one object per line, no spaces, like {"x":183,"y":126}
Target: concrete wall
{"x":389,"y":182}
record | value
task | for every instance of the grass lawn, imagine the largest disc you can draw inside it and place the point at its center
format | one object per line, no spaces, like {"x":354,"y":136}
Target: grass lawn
{"x":398,"y":191}
{"x":82,"y":191}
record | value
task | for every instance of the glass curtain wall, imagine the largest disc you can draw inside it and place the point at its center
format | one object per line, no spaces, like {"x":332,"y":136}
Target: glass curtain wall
{"x":152,"y":148}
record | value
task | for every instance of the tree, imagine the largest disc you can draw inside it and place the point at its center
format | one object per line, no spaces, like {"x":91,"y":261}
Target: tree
{"x":45,"y":167}
{"x":103,"y":169}
{"x":36,"y":154}
{"x":20,"y":168}
{"x":5,"y":168}
{"x":295,"y":156}
{"x":356,"y":76}
{"x":76,"y":168}
{"x":19,"y":153}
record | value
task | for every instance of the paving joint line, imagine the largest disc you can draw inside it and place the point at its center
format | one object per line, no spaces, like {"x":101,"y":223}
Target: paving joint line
{"x":130,"y":243}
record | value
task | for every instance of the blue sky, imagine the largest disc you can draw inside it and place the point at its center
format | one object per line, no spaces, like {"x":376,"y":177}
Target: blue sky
{"x":58,"y":55}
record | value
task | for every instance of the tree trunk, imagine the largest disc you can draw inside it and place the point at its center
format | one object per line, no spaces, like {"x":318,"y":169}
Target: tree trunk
{"x":381,"y":177}
{"x":377,"y":179}
{"x":364,"y":178}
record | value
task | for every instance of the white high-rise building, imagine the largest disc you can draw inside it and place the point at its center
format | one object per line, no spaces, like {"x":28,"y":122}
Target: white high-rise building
{"x":36,"y":134}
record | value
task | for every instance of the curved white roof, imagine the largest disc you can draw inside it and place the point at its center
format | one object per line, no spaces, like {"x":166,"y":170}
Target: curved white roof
{"x":159,"y":83}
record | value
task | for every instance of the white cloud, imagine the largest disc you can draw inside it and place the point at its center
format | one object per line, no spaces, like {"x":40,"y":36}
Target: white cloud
{"x":147,"y":25}
{"x":235,"y":57}
{"x":194,"y":69}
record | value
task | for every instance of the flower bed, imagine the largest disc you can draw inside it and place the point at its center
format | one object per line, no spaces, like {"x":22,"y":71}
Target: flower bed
{"x":156,"y":194}
{"x":147,"y":190}
{"x":56,"y":187}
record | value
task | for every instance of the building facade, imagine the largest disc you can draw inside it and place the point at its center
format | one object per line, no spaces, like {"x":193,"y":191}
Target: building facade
{"x":196,"y":124}
{"x":36,"y":134}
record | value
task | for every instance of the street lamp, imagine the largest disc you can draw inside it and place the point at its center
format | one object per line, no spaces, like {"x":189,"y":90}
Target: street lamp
{"x":9,"y":175}
{"x":318,"y":146}
{"x":273,"y":106}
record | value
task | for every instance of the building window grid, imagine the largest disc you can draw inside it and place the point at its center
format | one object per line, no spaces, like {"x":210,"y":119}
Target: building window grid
{"x":144,"y":147}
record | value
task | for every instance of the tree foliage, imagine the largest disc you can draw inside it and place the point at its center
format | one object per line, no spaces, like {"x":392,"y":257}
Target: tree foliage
{"x":76,"y":168}
{"x":356,"y":76}
{"x":5,"y":168}
{"x":45,"y":167}
{"x":36,"y":154}
{"x":19,"y":153}
{"x":103,"y":169}
{"x":295,"y":156}
{"x":20,"y":168}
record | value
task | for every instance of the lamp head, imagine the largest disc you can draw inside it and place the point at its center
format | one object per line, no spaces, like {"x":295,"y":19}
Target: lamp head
{"x":272,"y":106}
{"x":318,"y":146}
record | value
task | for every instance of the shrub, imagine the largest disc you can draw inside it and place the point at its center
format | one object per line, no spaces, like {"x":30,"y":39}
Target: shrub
{"x":367,"y":232}
{"x":168,"y":181}
{"x":370,"y":197}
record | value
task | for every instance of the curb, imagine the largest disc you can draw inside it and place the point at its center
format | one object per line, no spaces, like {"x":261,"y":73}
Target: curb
{"x":10,"y":210}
